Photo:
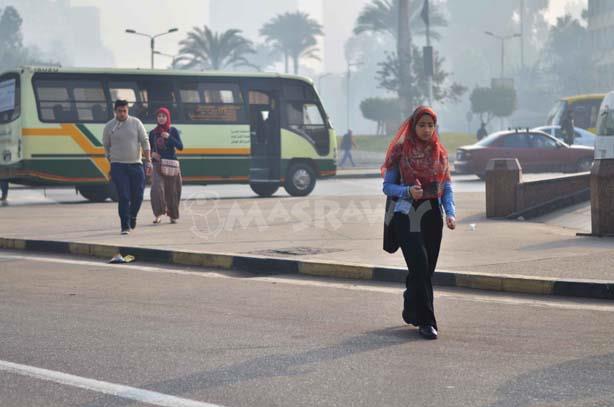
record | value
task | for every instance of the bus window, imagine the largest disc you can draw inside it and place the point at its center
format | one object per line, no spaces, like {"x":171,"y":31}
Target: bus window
{"x":306,"y":119}
{"x":70,"y":101}
{"x":54,"y":102}
{"x":90,"y":102}
{"x":258,"y":98}
{"x":128,"y":91}
{"x":555,"y":114}
{"x":9,"y":98}
{"x":205,"y":102}
{"x":585,"y":113}
{"x":157,"y":93}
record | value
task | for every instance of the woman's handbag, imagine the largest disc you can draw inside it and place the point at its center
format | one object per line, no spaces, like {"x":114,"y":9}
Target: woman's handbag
{"x":391,"y":241}
{"x":169,"y":168}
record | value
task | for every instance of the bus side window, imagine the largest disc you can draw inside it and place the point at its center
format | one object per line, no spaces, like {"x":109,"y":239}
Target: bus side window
{"x":156,"y":93}
{"x":126,"y":91}
{"x":212,"y":102}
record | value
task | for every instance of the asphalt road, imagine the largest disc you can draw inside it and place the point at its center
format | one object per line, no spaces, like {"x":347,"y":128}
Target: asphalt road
{"x":324,"y":188}
{"x":239,"y":340}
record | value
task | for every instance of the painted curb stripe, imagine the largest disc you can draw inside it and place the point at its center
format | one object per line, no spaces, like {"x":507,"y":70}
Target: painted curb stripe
{"x":275,"y":266}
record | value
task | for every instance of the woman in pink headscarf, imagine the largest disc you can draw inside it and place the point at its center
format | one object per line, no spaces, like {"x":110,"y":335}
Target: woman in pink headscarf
{"x":165,"y":189}
{"x":417,"y":178}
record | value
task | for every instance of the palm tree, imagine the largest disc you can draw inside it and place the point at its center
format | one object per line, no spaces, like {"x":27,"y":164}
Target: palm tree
{"x":382,"y":16}
{"x":205,"y":49}
{"x":294,"y":35}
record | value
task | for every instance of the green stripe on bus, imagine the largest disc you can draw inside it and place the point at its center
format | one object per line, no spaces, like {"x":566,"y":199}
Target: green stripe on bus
{"x":89,"y":135}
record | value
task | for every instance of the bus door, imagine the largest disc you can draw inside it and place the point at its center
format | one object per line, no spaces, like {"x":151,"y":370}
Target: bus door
{"x":10,"y":125}
{"x":265,"y":137}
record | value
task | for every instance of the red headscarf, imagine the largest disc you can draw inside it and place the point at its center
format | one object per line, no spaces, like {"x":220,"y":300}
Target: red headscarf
{"x":166,"y":126}
{"x":419,"y":162}
{"x":161,"y":128}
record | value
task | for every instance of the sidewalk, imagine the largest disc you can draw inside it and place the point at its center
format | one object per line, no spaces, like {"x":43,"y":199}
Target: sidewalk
{"x":344,"y":231}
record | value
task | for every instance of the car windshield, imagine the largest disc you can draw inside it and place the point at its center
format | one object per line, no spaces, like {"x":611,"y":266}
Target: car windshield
{"x":487,"y":141}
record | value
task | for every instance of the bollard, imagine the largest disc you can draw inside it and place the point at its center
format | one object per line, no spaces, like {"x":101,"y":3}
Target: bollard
{"x":503,"y":175}
{"x":602,"y":198}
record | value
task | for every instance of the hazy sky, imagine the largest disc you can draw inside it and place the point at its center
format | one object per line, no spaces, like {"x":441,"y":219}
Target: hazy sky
{"x":143,"y":16}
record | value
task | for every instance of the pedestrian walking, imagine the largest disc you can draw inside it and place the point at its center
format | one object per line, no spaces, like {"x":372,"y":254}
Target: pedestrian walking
{"x":482,"y":132}
{"x":567,"y":125}
{"x":125,"y":142}
{"x":417,"y":177}
{"x":166,"y":177}
{"x":347,"y":143}
{"x":4,"y":185}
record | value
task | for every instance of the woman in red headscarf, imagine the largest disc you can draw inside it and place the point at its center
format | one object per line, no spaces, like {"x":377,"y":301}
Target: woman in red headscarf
{"x":165,"y":189}
{"x":417,"y":177}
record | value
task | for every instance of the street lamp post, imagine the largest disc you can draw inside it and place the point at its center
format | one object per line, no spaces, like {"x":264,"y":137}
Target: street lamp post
{"x":320,"y":77}
{"x":349,"y":74}
{"x":502,"y":38}
{"x":173,"y":57}
{"x":152,"y":39}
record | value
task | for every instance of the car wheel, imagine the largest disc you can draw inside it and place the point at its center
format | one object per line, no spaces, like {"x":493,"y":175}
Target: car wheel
{"x":264,"y":189}
{"x":584,"y":164}
{"x":300,"y":180}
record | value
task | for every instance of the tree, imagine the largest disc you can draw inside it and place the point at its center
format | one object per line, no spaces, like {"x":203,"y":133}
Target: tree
{"x":568,"y":56}
{"x":294,"y":35}
{"x":383,"y":16}
{"x":493,"y":102}
{"x":417,"y":91}
{"x":264,"y":57}
{"x":208,"y":50}
{"x":12,"y":51}
{"x":384,"y":111}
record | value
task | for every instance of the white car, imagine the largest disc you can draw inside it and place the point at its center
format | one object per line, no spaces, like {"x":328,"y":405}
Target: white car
{"x":582,"y":138}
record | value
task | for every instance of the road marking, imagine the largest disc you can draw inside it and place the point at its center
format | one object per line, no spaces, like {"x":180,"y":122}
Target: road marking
{"x":367,"y":286}
{"x":118,"y":390}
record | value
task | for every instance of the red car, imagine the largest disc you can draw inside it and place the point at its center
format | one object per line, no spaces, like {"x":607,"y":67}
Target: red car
{"x":535,"y":150}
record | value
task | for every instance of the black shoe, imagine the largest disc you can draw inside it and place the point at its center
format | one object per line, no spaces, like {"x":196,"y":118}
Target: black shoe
{"x":427,"y":332}
{"x":132,"y":223}
{"x":125,"y":231}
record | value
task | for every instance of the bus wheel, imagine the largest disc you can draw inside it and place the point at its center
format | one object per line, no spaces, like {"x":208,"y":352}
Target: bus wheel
{"x":94,"y":193}
{"x":264,"y":189}
{"x":301,"y":180}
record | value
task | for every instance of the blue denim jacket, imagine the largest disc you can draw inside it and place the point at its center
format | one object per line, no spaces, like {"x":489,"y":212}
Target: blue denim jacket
{"x":394,"y":190}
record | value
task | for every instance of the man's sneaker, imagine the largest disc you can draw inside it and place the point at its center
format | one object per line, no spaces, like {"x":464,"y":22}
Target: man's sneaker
{"x":125,"y":231}
{"x":132,"y":223}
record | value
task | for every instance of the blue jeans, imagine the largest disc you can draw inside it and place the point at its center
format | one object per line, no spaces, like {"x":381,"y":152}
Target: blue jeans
{"x":347,"y":154}
{"x":4,"y":185}
{"x":129,"y":179}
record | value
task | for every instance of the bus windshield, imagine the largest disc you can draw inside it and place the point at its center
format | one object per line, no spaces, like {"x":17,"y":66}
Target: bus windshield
{"x":554,"y":116}
{"x":9,"y":98}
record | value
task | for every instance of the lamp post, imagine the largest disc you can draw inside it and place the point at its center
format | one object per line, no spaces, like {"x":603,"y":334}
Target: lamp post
{"x":349,"y":74}
{"x":152,"y":39}
{"x":502,"y":38}
{"x":173,"y":57}
{"x":320,"y":77}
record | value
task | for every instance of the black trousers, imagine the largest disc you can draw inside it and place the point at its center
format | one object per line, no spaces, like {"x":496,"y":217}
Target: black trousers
{"x":420,"y":244}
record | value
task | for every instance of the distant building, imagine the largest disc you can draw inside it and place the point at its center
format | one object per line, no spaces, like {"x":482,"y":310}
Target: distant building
{"x":62,"y":32}
{"x":601,"y":27}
